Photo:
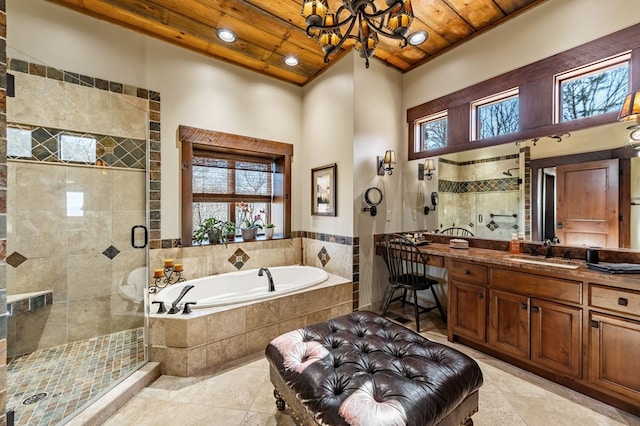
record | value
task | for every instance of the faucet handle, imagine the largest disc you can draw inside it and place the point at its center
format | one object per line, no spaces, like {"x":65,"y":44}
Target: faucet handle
{"x":187,"y":308}
{"x":161,"y":307}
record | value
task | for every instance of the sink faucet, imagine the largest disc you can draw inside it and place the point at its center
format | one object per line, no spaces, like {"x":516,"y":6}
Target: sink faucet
{"x":174,"y":306}
{"x":548,"y":245}
{"x":260,"y":273}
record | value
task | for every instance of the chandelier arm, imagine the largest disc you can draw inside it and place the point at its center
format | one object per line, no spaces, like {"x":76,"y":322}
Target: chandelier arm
{"x":379,"y":13}
{"x":382,"y":32}
{"x":342,"y":40}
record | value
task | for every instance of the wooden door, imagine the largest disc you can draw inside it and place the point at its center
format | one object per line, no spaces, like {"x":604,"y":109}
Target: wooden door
{"x":469,"y":310}
{"x":587,"y":203}
{"x":614,"y":346}
{"x":509,"y":323}
{"x":556,"y":337}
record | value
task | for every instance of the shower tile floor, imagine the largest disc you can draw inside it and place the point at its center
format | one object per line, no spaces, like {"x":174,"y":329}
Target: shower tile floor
{"x":48,"y":385}
{"x":243,"y":396}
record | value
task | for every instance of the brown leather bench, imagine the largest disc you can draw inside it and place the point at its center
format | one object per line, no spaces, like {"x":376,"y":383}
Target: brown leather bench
{"x":362,"y":369}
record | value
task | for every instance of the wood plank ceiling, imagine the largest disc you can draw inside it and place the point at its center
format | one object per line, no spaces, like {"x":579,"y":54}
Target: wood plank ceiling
{"x":270,"y":30}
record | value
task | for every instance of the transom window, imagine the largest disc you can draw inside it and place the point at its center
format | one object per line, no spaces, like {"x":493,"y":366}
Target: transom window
{"x":78,"y":149}
{"x":592,"y":90}
{"x":495,"y":115}
{"x":432,"y":132}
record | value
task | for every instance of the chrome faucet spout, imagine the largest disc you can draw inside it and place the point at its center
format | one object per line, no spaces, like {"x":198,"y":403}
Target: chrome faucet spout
{"x":174,"y":306}
{"x":269,"y":277}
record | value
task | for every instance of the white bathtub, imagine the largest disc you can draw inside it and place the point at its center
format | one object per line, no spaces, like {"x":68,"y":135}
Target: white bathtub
{"x":243,"y":286}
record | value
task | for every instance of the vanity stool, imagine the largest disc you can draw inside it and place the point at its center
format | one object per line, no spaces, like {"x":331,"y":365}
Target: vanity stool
{"x":362,"y":369}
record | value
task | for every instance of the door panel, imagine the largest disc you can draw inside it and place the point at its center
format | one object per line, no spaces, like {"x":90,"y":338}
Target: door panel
{"x":587,"y":211}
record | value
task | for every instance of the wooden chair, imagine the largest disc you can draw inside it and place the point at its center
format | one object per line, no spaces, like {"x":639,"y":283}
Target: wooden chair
{"x":407,"y":266}
{"x":460,"y":232}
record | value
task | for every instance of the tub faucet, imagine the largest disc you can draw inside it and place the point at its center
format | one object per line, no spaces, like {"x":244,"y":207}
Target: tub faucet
{"x":174,"y":306}
{"x":271,"y":286}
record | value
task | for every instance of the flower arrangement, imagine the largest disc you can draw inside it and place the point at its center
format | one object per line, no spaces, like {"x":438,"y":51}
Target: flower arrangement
{"x":247,"y":217}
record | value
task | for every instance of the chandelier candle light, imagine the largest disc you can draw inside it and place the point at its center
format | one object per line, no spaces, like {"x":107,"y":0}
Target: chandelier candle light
{"x":393,"y":22}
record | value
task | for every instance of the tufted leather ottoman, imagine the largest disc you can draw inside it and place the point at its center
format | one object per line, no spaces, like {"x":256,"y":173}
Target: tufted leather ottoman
{"x":362,"y":369}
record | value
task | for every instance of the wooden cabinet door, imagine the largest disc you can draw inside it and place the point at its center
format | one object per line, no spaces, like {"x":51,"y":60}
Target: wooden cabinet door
{"x":556,"y":337}
{"x":614,"y":350}
{"x":469,"y":310}
{"x":509,"y":323}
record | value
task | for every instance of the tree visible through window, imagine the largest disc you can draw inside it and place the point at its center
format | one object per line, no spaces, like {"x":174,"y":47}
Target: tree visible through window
{"x":592,"y":94}
{"x":220,"y":181}
{"x":495,"y":117}
{"x":433,"y":132}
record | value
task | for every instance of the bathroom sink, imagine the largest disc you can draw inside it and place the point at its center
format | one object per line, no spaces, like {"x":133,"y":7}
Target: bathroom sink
{"x":557,"y":263}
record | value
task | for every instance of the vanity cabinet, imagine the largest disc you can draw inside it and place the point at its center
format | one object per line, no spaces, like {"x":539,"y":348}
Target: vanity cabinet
{"x":614,"y":339}
{"x":468,"y":300}
{"x":522,"y":324}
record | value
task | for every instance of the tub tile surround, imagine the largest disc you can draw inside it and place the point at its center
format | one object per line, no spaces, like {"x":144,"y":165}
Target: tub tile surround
{"x":211,"y":338}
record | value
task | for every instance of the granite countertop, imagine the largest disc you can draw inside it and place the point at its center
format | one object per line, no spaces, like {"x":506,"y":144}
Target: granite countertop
{"x":503,"y":258}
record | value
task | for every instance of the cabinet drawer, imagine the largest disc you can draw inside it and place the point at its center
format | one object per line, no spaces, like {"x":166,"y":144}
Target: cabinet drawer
{"x":468,"y":272}
{"x":537,"y":285}
{"x":614,"y":299}
{"x":433,"y":260}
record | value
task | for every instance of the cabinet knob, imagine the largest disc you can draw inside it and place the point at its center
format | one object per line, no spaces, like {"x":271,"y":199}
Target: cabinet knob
{"x":466,"y":272}
{"x":535,"y":309}
{"x":480,"y":296}
{"x":523,"y":306}
{"x":622,"y":301}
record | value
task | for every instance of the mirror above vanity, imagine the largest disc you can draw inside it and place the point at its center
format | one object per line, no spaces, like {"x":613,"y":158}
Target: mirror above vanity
{"x":507,"y":189}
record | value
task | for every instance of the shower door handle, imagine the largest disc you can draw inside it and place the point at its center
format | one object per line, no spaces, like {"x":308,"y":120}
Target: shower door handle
{"x":133,"y":236}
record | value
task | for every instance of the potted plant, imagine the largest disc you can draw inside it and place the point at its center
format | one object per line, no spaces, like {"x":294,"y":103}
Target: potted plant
{"x":250,"y":221}
{"x":210,"y":229}
{"x":268,"y":232}
{"x":230,"y":229}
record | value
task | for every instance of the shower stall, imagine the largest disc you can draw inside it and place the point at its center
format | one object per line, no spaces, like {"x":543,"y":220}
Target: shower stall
{"x":76,"y":239}
{"x":484,"y":196}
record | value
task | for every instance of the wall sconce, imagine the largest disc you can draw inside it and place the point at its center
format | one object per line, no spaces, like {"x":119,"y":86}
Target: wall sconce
{"x":428,"y":167}
{"x":630,"y":111}
{"x":385,"y":163}
{"x":434,"y":203}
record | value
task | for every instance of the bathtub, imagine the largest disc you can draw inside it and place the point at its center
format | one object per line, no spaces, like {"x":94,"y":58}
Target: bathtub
{"x":243,"y":286}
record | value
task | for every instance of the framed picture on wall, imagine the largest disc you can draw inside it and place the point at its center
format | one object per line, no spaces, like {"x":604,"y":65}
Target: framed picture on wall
{"x":324,"y":190}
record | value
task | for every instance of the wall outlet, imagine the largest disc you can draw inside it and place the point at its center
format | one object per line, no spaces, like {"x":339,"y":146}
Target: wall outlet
{"x":388,"y":216}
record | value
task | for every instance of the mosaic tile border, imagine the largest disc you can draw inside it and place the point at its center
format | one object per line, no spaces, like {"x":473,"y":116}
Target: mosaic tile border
{"x":485,"y":185}
{"x":3,"y":208}
{"x":154,"y":155}
{"x":111,"y":151}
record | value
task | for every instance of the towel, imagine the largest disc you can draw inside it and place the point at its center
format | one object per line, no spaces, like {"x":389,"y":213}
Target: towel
{"x":615,"y":268}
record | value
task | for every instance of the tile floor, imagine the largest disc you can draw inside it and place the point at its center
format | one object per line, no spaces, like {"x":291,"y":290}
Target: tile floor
{"x":244,"y":396}
{"x":48,"y":385}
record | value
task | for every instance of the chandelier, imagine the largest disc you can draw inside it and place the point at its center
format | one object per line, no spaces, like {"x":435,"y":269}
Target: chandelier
{"x":393,"y":22}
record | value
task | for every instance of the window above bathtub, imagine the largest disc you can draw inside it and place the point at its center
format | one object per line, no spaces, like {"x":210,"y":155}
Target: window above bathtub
{"x":220,"y":170}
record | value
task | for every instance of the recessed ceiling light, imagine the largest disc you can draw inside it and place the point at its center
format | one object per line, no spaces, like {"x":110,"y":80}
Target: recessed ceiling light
{"x":292,"y":61}
{"x":226,"y":35}
{"x":418,"y":37}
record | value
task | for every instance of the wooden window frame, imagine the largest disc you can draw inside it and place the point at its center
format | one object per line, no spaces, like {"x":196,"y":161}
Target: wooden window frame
{"x":537,"y":96}
{"x":194,"y":139}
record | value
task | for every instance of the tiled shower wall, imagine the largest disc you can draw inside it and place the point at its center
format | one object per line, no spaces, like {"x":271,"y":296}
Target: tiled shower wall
{"x":86,"y":261}
{"x":469,"y":192}
{"x":96,"y":277}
